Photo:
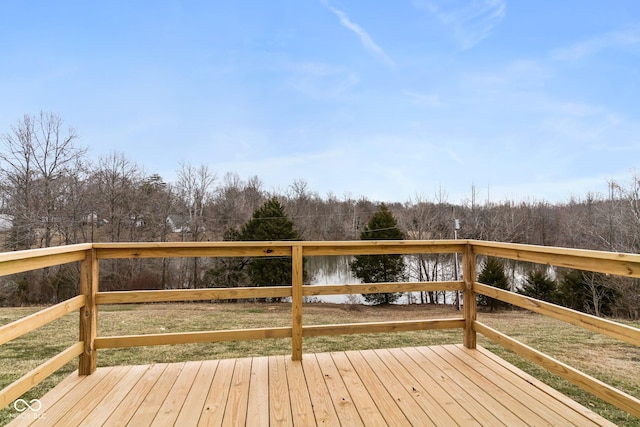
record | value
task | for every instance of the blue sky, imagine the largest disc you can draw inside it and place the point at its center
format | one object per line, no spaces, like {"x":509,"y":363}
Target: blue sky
{"x":391,"y":100}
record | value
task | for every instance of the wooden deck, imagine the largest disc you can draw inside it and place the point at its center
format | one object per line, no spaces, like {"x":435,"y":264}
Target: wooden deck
{"x":440,"y":385}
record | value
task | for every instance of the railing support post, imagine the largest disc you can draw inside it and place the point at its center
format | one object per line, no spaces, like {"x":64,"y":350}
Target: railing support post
{"x":296,"y":302}
{"x":88,"y":313}
{"x":470,"y":312}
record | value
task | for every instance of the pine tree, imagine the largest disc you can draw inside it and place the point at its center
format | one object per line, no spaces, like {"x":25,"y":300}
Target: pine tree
{"x":539,"y":286}
{"x":380,"y":268}
{"x":493,"y":275}
{"x":269,"y":223}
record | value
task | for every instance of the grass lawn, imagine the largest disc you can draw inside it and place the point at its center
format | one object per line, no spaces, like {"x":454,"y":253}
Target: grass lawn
{"x":611,"y":361}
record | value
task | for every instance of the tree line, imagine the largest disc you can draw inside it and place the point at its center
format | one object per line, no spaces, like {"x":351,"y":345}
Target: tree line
{"x":52,"y":193}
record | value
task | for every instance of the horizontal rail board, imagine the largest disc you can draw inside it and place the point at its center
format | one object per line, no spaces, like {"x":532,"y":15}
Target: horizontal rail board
{"x":602,"y":326}
{"x":172,"y":295}
{"x":21,"y":265}
{"x":374,"y":288}
{"x":627,"y":265}
{"x":191,"y":337}
{"x":34,"y":377}
{"x":27,"y":324}
{"x":480,"y":246}
{"x":276,"y":248}
{"x":594,"y":386}
{"x":381,"y":327}
{"x":381,"y":247}
{"x":43,"y":252}
{"x":170,"y":252}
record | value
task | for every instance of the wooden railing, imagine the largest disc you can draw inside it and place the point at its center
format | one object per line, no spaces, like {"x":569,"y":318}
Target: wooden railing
{"x":90,"y":298}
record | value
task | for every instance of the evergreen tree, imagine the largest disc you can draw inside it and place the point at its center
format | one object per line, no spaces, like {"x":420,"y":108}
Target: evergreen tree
{"x":380,"y":268}
{"x":571,"y":292}
{"x":539,"y":286}
{"x":587,"y":292}
{"x":492,"y":274}
{"x":269,"y":223}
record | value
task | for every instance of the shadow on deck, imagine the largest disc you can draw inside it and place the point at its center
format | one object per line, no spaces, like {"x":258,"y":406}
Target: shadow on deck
{"x":421,"y":386}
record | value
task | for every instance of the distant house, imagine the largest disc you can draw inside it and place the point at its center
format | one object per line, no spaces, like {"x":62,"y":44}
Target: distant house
{"x":92,"y":218}
{"x":6,"y":222}
{"x":178,"y":223}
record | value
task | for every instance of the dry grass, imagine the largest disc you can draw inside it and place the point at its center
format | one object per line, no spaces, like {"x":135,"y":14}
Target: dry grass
{"x":606,"y":359}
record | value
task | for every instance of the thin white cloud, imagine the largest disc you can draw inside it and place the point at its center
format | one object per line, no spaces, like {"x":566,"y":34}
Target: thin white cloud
{"x":422,"y":99}
{"x":471,"y":22}
{"x":364,"y":36}
{"x":594,"y":45}
{"x":321,"y":81}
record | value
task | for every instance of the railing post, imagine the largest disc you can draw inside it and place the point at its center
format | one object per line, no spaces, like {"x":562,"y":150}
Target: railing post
{"x":469,"y":276}
{"x":88,"y":313}
{"x":296,"y":302}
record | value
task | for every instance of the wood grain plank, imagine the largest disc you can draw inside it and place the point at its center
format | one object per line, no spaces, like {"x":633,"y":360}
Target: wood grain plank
{"x":33,"y":259}
{"x":214,"y":405}
{"x":54,"y":396}
{"x":279,"y":402}
{"x":401,"y":396}
{"x":474,"y":384}
{"x":258,"y":404}
{"x":85,"y":404}
{"x":420,"y":386}
{"x":323,"y":409}
{"x":500,"y":384}
{"x":458,"y":387}
{"x":147,"y":411}
{"x":235,"y":412}
{"x":191,"y":337}
{"x":192,"y":409}
{"x":107,"y":405}
{"x":60,"y":406}
{"x":37,"y":375}
{"x":170,"y":408}
{"x":439,"y":385}
{"x":29,"y":323}
{"x":301,"y":408}
{"x":171,"y":295}
{"x":445,"y":392}
{"x":569,"y":404}
{"x":364,"y":402}
{"x":297,"y":271}
{"x":123,"y":413}
{"x":345,"y":408}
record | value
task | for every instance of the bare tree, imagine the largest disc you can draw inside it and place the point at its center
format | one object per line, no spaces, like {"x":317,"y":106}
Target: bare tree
{"x":115,"y":182}
{"x":37,"y":155}
{"x":195,"y":190}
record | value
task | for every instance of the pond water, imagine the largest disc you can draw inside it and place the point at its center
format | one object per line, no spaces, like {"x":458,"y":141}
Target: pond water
{"x":330,"y":270}
{"x":335,"y":270}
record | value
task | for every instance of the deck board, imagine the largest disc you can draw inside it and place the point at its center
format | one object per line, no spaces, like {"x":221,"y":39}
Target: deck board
{"x":342,"y":402}
{"x":440,"y":385}
{"x":257,"y":405}
{"x":132,"y":401}
{"x":150,"y":406}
